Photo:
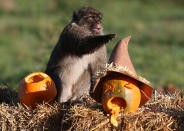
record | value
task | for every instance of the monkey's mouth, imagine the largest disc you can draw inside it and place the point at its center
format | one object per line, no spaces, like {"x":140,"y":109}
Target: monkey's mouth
{"x":97,"y":28}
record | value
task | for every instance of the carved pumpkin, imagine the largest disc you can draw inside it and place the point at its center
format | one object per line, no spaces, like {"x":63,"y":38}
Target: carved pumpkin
{"x":118,"y":87}
{"x":120,"y":93}
{"x":36,"y":88}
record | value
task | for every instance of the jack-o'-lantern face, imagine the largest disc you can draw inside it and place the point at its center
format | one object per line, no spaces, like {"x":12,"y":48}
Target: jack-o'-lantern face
{"x":118,"y":94}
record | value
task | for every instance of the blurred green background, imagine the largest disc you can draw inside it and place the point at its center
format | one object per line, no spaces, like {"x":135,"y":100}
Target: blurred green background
{"x":30,"y":29}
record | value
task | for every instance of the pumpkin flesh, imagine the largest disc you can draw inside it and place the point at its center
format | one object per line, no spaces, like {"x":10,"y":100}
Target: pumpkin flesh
{"x":115,"y":104}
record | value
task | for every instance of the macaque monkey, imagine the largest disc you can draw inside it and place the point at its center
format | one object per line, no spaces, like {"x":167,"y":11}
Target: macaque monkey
{"x":78,"y":55}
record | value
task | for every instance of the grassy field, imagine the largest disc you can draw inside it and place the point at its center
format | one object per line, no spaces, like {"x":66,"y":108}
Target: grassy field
{"x":30,"y":29}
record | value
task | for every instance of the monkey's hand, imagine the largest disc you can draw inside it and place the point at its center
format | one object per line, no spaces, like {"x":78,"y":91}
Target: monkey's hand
{"x":106,"y":38}
{"x":100,"y":40}
{"x":92,"y":43}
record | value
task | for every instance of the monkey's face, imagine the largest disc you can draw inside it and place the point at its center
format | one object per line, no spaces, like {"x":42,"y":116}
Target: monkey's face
{"x":90,"y":19}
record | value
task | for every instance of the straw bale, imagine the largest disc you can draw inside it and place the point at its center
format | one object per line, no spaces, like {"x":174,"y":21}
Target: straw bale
{"x":162,"y":112}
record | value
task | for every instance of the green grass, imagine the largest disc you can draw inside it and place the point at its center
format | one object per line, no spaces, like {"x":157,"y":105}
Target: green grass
{"x":30,"y":30}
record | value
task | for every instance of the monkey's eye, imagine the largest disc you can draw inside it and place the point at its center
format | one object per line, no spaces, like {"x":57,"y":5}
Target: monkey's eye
{"x":90,"y":17}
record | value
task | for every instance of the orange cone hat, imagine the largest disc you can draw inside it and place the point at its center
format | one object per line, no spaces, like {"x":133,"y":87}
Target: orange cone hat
{"x":120,"y":64}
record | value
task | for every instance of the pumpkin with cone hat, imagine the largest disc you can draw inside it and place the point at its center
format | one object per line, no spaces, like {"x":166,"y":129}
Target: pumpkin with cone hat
{"x":118,"y":86}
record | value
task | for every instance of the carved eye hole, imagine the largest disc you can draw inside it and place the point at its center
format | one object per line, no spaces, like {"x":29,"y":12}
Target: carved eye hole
{"x":127,"y":86}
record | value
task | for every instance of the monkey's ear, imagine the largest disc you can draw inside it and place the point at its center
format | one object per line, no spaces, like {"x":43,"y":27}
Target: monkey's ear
{"x":75,"y":14}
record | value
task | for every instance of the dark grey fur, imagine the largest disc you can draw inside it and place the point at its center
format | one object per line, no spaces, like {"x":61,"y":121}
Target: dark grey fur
{"x":79,"y":53}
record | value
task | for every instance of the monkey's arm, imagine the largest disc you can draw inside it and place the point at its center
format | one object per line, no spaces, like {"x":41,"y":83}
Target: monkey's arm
{"x":91,"y":43}
{"x":78,"y":41}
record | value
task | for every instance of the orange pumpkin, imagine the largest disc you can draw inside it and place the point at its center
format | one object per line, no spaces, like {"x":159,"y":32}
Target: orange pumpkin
{"x":36,"y":88}
{"x":118,"y":93}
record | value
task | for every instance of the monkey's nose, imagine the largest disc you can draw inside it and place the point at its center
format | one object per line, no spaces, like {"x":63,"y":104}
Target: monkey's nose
{"x":98,"y":26}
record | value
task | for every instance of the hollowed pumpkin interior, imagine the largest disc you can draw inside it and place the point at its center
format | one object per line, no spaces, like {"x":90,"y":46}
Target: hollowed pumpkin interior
{"x":35,"y":78}
{"x":115,"y":105}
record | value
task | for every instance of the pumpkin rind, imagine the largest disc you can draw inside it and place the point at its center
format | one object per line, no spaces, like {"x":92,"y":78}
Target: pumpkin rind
{"x":36,"y":88}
